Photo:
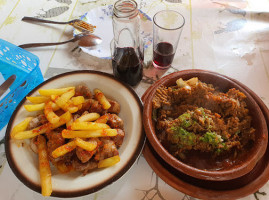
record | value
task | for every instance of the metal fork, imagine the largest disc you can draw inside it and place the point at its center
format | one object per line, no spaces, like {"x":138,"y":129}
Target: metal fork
{"x":76,"y":23}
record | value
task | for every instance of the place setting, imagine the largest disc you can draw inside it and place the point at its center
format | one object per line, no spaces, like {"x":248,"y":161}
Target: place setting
{"x":34,"y":131}
{"x":170,"y":147}
{"x":202,"y":132}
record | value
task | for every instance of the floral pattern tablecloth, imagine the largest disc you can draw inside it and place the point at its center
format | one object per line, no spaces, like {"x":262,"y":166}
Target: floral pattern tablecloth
{"x":230,"y":37}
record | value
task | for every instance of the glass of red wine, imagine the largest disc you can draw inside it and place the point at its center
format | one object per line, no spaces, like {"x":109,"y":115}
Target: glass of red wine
{"x":167,"y":28}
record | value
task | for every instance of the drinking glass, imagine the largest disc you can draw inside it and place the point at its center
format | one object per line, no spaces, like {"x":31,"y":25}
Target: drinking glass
{"x":167,"y":28}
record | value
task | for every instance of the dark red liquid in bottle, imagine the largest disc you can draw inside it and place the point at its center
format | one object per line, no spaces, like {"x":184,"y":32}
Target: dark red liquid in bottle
{"x":127,"y":65}
{"x":163,"y":54}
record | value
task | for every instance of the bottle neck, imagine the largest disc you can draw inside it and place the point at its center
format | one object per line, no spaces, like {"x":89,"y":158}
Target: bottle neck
{"x":126,"y":24}
{"x":125,"y":9}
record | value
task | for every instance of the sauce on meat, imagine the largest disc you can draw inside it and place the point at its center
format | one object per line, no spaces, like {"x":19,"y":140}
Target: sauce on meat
{"x":202,"y":126}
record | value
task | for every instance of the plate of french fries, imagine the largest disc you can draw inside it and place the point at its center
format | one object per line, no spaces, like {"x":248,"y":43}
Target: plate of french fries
{"x":75,"y":134}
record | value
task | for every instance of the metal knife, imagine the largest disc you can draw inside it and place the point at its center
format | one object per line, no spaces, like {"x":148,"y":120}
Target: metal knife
{"x":7,"y":83}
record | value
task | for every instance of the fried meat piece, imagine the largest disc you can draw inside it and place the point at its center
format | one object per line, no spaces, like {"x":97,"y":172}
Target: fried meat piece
{"x":118,"y":139}
{"x":37,"y":121}
{"x":107,"y":150}
{"x":84,"y":167}
{"x":82,"y":90}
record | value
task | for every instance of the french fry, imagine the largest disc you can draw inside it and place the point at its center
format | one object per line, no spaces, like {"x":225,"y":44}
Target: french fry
{"x":101,"y":98}
{"x":108,"y":162}
{"x":32,"y":133}
{"x":88,"y":126}
{"x":89,"y":134}
{"x":38,"y":99}
{"x":70,"y":106}
{"x":50,"y":115}
{"x":72,"y":109}
{"x":88,"y":117}
{"x":64,"y":149}
{"x":65,"y":103}
{"x":21,"y":126}
{"x":59,"y":91}
{"x":78,"y":100}
{"x":68,"y":124}
{"x":181,"y":83}
{"x":87,"y":145}
{"x":34,"y":107}
{"x":79,"y":106}
{"x":66,"y":117}
{"x":53,"y":97}
{"x":63,"y":167}
{"x":193,"y":81}
{"x":54,"y":106}
{"x":66,"y":106}
{"x":44,"y":166}
{"x":102,"y":119}
{"x":62,"y":101}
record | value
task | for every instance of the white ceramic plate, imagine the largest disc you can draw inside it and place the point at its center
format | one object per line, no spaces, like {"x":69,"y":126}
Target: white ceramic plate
{"x":24,"y":163}
{"x":101,"y":17}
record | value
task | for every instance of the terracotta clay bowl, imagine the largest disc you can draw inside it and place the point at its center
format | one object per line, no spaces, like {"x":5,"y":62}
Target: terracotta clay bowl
{"x":24,"y":162}
{"x":211,"y":190}
{"x":246,"y":163}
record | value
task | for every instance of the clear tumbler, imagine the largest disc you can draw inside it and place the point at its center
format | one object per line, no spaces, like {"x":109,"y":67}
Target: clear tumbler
{"x":167,"y":28}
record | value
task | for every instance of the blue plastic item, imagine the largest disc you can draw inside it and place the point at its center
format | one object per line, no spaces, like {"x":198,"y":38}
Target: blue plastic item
{"x":25,"y":66}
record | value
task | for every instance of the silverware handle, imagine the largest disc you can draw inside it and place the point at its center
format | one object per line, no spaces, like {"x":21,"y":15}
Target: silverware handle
{"x":33,"y":19}
{"x":7,"y":83}
{"x":24,"y":46}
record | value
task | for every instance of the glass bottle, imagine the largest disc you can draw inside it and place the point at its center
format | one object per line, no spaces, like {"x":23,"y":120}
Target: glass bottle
{"x":127,"y":56}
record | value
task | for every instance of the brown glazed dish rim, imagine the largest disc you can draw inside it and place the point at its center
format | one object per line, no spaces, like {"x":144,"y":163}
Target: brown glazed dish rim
{"x":236,"y":171}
